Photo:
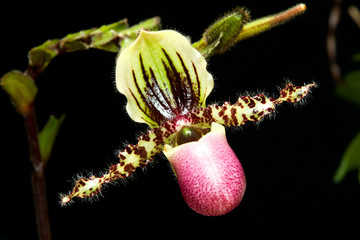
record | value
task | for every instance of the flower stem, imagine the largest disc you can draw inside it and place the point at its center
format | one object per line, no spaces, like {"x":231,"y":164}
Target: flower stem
{"x":334,"y":19}
{"x":38,"y":176}
{"x":263,"y":24}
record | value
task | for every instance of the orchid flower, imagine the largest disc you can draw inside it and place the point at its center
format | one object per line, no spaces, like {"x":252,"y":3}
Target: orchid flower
{"x":166,"y":83}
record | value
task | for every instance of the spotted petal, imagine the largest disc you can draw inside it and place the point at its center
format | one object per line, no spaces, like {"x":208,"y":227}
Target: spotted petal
{"x":162,"y":76}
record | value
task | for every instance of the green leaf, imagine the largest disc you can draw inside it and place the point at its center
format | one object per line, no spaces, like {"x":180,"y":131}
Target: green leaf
{"x":107,"y":37}
{"x":103,"y":38}
{"x":21,"y":89}
{"x":116,"y":26}
{"x":350,"y":160}
{"x":350,"y":88}
{"x":100,"y":38}
{"x":48,"y":135}
{"x":151,"y":24}
{"x":40,"y":56}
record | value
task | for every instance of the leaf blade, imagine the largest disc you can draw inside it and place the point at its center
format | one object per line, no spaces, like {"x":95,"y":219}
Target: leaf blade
{"x":48,"y":135}
{"x":350,"y":160}
{"x":21,"y":89}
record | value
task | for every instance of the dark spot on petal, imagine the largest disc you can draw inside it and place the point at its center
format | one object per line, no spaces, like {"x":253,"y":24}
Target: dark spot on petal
{"x":128,"y":149}
{"x":252,"y":103}
{"x":141,"y":151}
{"x":129,"y":168}
{"x":233,"y":116}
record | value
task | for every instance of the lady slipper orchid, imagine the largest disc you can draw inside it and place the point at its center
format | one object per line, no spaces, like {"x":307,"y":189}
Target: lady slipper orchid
{"x":166,"y":83}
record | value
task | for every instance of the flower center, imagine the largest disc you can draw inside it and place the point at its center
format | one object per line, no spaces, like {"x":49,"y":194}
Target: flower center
{"x":190,"y":134}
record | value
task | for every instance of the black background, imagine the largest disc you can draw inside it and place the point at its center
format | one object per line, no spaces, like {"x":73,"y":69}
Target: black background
{"x":289,"y":160}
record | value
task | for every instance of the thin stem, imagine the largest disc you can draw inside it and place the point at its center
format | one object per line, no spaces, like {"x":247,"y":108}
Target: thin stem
{"x":37,"y":177}
{"x":263,"y":24}
{"x":334,"y":18}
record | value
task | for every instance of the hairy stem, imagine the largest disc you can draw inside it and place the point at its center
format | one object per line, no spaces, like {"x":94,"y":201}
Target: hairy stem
{"x":38,"y":176}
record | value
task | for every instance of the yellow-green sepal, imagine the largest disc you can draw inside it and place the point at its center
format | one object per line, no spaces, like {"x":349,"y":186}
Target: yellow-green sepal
{"x":162,"y":76}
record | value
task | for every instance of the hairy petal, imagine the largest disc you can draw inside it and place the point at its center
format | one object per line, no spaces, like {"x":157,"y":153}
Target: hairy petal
{"x":247,"y":108}
{"x":132,"y":157}
{"x":162,"y":76}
